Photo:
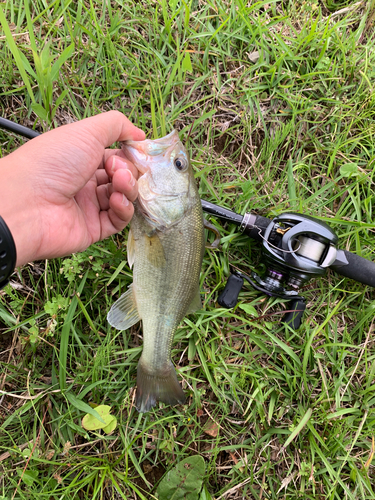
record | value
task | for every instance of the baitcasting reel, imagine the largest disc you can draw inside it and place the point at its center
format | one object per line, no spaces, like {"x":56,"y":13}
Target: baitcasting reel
{"x":295,"y":248}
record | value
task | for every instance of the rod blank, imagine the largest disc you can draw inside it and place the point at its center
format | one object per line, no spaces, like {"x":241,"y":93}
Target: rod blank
{"x":18,"y":129}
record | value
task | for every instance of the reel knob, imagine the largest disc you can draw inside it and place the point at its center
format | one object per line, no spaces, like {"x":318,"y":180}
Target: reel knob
{"x":293,"y":317}
{"x":229,"y":296}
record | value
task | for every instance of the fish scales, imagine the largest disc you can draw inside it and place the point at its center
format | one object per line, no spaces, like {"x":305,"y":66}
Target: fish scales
{"x":165,"y":293}
{"x":166,"y":246}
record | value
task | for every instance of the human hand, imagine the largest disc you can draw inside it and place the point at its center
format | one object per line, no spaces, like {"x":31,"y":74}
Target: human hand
{"x":63,"y":191}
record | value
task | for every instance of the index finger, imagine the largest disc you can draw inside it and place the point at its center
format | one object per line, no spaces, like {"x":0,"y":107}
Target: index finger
{"x":110,"y":167}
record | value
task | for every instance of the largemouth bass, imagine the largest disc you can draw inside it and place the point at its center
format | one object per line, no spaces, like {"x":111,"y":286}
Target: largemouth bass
{"x":165,"y":245}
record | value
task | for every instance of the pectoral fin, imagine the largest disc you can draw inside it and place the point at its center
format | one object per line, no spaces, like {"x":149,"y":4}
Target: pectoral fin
{"x":153,"y":248}
{"x":155,"y":251}
{"x":124,"y":313}
{"x":131,"y":249}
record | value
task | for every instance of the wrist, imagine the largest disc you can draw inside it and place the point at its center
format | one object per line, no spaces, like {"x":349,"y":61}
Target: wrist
{"x":8,"y":254}
{"x":18,"y":211}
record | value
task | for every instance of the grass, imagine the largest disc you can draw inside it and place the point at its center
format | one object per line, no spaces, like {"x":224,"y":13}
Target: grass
{"x":279,"y":100}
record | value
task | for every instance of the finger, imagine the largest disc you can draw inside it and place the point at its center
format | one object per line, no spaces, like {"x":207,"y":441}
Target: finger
{"x":124,"y":182}
{"x":117,"y":217}
{"x":101,"y":177}
{"x":116,"y":162}
{"x":91,"y":135}
{"x":108,"y":153}
{"x":111,"y":152}
{"x":103,"y":195}
{"x":112,"y":126}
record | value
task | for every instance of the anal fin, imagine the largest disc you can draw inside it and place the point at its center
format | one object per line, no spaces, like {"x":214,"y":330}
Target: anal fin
{"x":196,"y":303}
{"x":124,"y":313}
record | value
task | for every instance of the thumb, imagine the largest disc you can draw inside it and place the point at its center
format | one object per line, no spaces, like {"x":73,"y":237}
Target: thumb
{"x":110,"y":127}
{"x":91,"y":135}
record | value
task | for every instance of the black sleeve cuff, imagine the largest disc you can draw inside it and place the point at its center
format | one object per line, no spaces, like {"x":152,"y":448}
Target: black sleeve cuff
{"x":8,"y":255}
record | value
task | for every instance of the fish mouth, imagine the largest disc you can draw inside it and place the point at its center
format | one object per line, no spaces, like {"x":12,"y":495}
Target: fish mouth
{"x":141,"y":153}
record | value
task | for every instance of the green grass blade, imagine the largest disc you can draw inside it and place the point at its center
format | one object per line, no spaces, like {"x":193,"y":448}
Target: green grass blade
{"x":298,"y":429}
{"x":82,"y":406}
{"x":65,"y":335}
{"x":16,"y":54}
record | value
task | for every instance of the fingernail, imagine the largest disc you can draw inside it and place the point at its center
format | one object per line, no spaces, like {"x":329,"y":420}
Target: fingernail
{"x":131,"y":179}
{"x":113,"y":165}
{"x":124,"y":201}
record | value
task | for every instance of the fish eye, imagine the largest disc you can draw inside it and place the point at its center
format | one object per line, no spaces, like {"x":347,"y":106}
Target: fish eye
{"x":180,"y":163}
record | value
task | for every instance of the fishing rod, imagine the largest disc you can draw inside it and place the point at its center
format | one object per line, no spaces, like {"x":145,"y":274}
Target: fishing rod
{"x":18,"y":129}
{"x":295,"y":249}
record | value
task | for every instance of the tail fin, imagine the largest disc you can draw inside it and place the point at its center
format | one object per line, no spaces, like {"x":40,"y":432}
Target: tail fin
{"x":153,"y":388}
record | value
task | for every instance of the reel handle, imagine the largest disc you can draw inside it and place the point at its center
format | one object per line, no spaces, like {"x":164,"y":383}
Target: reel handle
{"x":229,"y":296}
{"x":293,"y":317}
